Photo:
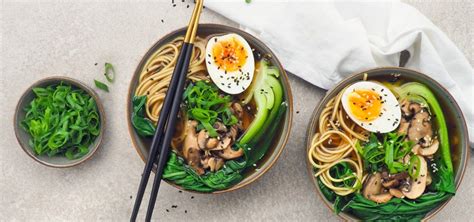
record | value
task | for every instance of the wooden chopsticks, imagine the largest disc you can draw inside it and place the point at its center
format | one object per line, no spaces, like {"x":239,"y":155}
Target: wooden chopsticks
{"x":168,"y":115}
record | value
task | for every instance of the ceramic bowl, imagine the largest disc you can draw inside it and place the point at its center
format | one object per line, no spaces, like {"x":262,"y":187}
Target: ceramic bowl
{"x":458,"y":133}
{"x":23,"y":137}
{"x":142,"y":144}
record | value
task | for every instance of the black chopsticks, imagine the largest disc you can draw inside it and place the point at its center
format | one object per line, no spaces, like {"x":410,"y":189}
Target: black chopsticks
{"x":162,"y":138}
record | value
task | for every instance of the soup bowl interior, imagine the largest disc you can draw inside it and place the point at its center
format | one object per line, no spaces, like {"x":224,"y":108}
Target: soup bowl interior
{"x":205,"y":30}
{"x":454,"y":118}
{"x":23,"y":137}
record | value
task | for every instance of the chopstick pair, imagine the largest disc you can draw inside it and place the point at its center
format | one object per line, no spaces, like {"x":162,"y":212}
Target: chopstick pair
{"x":168,"y":115}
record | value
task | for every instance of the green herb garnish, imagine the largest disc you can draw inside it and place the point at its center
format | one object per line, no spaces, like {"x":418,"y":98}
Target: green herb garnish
{"x":143,"y":125}
{"x":204,"y":104}
{"x":61,"y":121}
{"x":101,"y":85}
{"x":109,"y":72}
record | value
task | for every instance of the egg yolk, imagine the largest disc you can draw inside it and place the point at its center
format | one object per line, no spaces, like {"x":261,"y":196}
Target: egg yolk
{"x":229,"y":54}
{"x":365,"y":104}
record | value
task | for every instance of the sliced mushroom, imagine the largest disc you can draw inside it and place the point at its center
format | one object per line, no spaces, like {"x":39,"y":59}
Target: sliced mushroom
{"x":212,"y":143}
{"x":426,"y":141}
{"x":391,"y":183}
{"x":233,"y":132}
{"x":416,"y":149}
{"x":205,"y":162}
{"x":237,"y":108}
{"x":399,"y":176}
{"x":373,"y":185}
{"x":396,"y":193}
{"x":430,"y":150}
{"x":215,"y":163}
{"x":229,"y":153}
{"x":405,"y":107}
{"x":420,"y":127}
{"x":428,"y":178}
{"x":202,"y":139}
{"x":191,"y":151}
{"x":223,"y":144}
{"x":381,"y":198}
{"x":417,"y":185}
{"x":220,"y":127}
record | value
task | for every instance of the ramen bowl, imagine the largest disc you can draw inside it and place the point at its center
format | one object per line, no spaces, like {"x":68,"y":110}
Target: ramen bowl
{"x":142,"y":144}
{"x":458,"y":134}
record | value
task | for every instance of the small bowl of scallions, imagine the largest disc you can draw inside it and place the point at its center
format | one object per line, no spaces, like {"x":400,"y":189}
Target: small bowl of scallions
{"x":59,"y":122}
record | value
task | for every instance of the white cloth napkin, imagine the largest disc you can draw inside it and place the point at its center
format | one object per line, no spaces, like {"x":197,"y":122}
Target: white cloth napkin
{"x":323,"y":42}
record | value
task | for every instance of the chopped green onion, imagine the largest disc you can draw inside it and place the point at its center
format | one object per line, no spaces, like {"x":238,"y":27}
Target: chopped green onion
{"x":109,"y":72}
{"x":414,"y":166}
{"x":205,"y":105}
{"x":101,"y":85}
{"x":61,"y":120}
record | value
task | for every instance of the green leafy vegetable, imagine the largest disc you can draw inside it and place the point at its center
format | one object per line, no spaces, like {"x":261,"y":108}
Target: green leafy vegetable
{"x":101,"y":85}
{"x":396,"y":209}
{"x":204,"y":104}
{"x":143,"y":125}
{"x":181,"y":174}
{"x":386,"y":153}
{"x":445,"y":163}
{"x":61,"y":121}
{"x":109,"y":72}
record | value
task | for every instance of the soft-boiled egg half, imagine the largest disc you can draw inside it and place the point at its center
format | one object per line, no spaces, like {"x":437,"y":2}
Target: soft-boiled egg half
{"x":230,"y":62}
{"x":372,"y":106}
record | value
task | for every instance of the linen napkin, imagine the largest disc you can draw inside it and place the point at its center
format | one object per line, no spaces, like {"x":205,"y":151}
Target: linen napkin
{"x":323,"y":42}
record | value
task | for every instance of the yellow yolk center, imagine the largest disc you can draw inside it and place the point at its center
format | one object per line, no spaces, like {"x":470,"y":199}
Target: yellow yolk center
{"x":229,"y":55}
{"x":365,"y":104}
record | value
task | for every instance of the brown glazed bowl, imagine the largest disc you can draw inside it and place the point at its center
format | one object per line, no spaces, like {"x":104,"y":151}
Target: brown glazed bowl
{"x":142,"y":144}
{"x":23,"y":137}
{"x":455,"y":120}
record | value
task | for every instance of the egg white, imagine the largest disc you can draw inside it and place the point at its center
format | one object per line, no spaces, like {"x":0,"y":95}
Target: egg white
{"x":234,"y":82}
{"x":390,"y":112}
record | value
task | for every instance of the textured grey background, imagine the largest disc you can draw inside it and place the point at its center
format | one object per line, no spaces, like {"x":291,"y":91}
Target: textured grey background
{"x":43,"y":38}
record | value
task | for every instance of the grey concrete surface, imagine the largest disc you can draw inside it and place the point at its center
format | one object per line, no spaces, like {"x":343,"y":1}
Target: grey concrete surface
{"x":43,"y":38}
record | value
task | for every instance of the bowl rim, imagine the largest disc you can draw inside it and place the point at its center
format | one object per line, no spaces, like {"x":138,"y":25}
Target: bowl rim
{"x":78,"y":84}
{"x":315,"y":118}
{"x":283,"y":137}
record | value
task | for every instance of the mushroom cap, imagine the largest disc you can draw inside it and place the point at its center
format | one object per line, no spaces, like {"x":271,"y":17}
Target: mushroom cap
{"x":420,"y":127}
{"x":396,"y":193}
{"x":191,"y":151}
{"x":391,"y":183}
{"x":237,"y":109}
{"x":430,"y":150}
{"x":224,"y":143}
{"x":373,"y":185}
{"x":381,"y":198}
{"x":228,"y":153}
{"x":202,"y":139}
{"x":212,"y":143}
{"x":418,"y":185}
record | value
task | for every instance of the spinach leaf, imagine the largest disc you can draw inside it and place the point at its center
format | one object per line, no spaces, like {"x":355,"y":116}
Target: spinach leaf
{"x":143,"y":125}
{"x":181,"y":174}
